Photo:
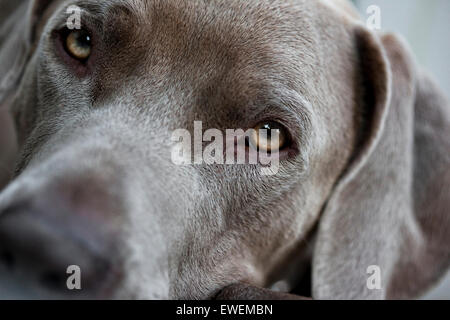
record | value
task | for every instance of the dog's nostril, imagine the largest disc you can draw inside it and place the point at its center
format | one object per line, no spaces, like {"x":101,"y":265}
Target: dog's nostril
{"x":7,"y":259}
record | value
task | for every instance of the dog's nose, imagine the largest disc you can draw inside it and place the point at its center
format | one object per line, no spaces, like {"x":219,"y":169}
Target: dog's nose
{"x":54,"y":253}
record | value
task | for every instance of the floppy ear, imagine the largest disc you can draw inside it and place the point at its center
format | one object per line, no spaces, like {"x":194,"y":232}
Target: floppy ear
{"x":368,"y":218}
{"x":426,"y":260}
{"x":19,"y":35}
{"x":18,"y":38}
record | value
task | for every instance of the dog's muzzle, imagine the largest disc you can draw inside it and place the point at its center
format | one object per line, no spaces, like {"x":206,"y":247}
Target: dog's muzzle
{"x":51,"y":247}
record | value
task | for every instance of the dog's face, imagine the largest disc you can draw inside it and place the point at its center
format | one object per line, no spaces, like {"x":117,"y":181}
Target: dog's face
{"x":96,"y":185}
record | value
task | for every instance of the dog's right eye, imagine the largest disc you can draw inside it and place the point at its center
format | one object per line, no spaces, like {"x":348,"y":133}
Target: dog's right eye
{"x":269,"y":136}
{"x":78,"y":44}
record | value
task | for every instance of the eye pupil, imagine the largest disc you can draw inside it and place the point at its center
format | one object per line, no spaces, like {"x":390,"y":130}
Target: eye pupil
{"x":84,"y":39}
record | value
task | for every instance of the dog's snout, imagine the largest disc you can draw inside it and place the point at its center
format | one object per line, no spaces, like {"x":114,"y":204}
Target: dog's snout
{"x":54,"y":253}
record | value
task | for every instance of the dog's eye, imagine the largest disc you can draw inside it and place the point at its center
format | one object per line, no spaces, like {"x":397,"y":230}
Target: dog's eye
{"x":78,"y":44}
{"x":269,"y":136}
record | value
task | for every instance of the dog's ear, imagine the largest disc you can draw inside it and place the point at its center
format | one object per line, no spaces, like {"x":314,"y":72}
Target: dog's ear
{"x":368,"y":216}
{"x":384,"y":231}
{"x":21,"y":24}
{"x":19,"y":35}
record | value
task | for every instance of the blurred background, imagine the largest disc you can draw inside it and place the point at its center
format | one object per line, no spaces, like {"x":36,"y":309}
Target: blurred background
{"x":426,"y":26}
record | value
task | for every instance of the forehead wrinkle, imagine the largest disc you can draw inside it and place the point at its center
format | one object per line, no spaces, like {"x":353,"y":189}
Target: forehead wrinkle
{"x":296,"y":109}
{"x":92,"y":11}
{"x":295,"y":103}
{"x":95,"y":10}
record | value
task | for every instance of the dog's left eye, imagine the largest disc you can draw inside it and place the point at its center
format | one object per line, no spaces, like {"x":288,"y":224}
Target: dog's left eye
{"x":78,"y":44}
{"x":269,"y":136}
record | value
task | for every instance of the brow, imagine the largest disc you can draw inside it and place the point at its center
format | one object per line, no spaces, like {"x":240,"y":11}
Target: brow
{"x":92,"y":12}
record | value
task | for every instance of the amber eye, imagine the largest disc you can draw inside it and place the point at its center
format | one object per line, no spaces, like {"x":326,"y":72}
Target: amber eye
{"x":269,"y":136}
{"x":78,"y":44}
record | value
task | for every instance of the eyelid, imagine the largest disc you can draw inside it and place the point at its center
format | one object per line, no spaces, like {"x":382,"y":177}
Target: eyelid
{"x":293,"y":111}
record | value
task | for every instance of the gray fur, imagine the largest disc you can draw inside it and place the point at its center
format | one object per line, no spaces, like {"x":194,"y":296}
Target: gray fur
{"x":370,"y":183}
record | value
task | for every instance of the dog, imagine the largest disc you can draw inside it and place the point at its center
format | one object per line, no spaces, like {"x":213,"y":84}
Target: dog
{"x":359,"y":208}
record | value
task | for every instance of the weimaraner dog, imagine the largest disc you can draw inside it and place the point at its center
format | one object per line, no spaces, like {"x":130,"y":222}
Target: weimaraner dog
{"x":360,"y":205}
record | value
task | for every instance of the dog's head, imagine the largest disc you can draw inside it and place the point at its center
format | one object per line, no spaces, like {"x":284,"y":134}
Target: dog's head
{"x":95,"y":111}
